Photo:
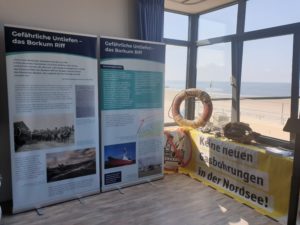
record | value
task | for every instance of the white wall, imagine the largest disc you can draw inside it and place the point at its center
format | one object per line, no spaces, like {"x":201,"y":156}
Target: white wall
{"x":101,"y":17}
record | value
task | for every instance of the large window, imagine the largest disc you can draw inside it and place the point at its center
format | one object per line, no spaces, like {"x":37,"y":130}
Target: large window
{"x":175,"y":76}
{"x":213,"y":76}
{"x":266,"y":85}
{"x":247,"y":74}
{"x":218,"y":23}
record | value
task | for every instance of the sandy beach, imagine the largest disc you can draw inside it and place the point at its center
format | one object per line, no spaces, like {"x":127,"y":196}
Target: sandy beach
{"x":267,"y":117}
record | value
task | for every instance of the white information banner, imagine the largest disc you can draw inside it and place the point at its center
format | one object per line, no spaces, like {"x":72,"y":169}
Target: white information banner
{"x":132,"y":84}
{"x":53,"y":116}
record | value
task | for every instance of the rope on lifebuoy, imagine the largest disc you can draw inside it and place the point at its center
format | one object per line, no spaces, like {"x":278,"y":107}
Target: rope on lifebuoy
{"x":198,"y":94}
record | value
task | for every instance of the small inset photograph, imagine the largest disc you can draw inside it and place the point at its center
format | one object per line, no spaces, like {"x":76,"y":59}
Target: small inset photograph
{"x":149,"y":166}
{"x":85,"y":101}
{"x":70,"y":164}
{"x":119,"y":155}
{"x":37,"y":132}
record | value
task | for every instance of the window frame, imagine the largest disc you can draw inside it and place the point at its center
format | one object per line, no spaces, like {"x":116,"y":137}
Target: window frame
{"x":237,"y":40}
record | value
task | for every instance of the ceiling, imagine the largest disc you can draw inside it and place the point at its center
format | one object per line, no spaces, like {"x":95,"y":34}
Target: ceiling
{"x":194,"y":6}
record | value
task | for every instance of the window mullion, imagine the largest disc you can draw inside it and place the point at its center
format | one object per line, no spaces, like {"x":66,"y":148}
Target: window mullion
{"x":295,"y":78}
{"x":191,"y":64}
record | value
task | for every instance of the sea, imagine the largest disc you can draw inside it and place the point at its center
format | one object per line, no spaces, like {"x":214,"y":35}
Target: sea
{"x":220,"y":89}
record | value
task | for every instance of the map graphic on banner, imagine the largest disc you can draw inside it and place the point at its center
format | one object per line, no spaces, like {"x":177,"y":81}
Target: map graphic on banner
{"x":132,"y":81}
{"x":53,"y":116}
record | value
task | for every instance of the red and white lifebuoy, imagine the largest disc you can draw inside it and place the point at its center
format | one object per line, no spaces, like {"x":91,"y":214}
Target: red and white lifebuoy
{"x":198,"y":121}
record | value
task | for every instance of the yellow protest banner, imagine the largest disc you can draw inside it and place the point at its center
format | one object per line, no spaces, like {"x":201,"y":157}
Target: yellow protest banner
{"x":250,"y":174}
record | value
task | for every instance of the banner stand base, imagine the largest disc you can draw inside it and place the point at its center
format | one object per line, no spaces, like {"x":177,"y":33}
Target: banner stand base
{"x":39,"y":211}
{"x":150,"y":182}
{"x":120,"y":190}
{"x":80,"y":200}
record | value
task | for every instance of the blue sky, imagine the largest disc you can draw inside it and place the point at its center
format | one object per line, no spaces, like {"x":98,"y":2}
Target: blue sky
{"x":264,"y":60}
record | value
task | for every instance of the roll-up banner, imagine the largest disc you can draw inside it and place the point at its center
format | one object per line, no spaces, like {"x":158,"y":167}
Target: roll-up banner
{"x":53,"y":116}
{"x":131,"y":89}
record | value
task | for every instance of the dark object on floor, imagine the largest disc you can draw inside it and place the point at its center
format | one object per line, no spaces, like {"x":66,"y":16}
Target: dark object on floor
{"x":240,"y":132}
